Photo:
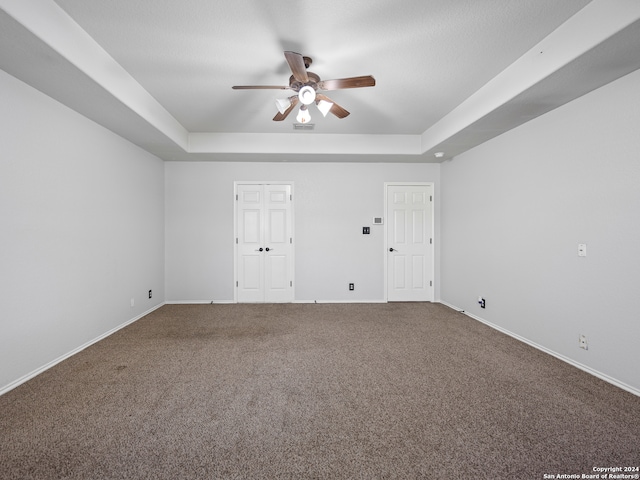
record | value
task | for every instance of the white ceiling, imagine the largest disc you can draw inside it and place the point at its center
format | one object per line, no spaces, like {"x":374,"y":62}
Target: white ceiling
{"x":450,"y":74}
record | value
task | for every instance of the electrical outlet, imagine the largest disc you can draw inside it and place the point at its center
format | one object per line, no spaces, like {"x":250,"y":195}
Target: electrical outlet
{"x":582,"y":342}
{"x":150,"y":294}
{"x":582,"y":249}
{"x":366,"y":230}
{"x":351,"y":286}
{"x":482,"y":302}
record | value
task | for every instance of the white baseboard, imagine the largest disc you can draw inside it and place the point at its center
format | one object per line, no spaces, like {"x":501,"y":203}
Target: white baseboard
{"x":199,"y":302}
{"x":226,"y":302}
{"x":568,"y":360}
{"x":339,"y":301}
{"x":43,"y":368}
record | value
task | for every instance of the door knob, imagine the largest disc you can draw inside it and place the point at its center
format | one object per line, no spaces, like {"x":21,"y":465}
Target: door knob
{"x":392,"y":250}
{"x":267,"y":249}
{"x":260,"y":249}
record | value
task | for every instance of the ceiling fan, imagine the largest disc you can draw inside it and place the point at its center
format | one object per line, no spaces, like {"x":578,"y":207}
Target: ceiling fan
{"x":306,"y":84}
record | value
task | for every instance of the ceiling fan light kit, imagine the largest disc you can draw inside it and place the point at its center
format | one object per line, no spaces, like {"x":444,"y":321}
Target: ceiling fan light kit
{"x":324,"y":107}
{"x":282,"y":104}
{"x":306,"y":84}
{"x":307,"y":95}
{"x":303,"y":115}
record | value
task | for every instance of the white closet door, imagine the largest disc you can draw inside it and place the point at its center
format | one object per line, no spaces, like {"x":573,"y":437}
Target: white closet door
{"x":264,"y":262}
{"x":409,"y":243}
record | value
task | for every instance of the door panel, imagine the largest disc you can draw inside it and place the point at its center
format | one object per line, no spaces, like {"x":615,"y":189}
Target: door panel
{"x":277,"y":268}
{"x":417,"y":268}
{"x":409,"y":243}
{"x":399,"y":230}
{"x":251,"y":272}
{"x":399,"y":269}
{"x":417,"y":226}
{"x":251,"y":227}
{"x":250,"y":278}
{"x":277,"y":226}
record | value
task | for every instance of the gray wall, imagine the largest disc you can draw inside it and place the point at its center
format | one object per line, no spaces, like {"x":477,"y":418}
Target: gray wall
{"x":82,"y":230}
{"x":332,"y":202}
{"x":514,"y":210}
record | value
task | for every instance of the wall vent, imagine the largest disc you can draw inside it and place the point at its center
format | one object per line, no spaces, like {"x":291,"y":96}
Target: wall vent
{"x":304,"y":126}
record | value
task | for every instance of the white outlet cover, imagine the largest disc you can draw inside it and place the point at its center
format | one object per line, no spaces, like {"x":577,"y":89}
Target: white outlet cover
{"x":582,"y":341}
{"x":582,"y":249}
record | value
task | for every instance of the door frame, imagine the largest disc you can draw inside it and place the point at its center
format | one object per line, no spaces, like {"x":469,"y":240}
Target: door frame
{"x":431,"y":248}
{"x":235,"y":233}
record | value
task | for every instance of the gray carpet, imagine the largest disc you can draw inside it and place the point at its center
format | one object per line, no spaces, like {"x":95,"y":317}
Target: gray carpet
{"x":314,"y":391}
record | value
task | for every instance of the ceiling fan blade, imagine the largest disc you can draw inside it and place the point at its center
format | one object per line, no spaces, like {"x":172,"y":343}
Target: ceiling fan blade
{"x":259,"y":87}
{"x":281,"y":116}
{"x":298,"y":68}
{"x":351,"y":82}
{"x":336,"y":109}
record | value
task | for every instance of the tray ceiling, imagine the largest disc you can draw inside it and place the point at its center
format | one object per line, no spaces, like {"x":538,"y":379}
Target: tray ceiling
{"x":449,"y":74}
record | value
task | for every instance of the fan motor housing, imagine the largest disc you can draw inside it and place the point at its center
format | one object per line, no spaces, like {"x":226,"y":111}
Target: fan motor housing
{"x":314,"y":79}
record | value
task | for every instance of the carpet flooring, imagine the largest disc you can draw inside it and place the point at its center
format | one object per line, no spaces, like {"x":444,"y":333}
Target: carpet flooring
{"x":318,"y":391}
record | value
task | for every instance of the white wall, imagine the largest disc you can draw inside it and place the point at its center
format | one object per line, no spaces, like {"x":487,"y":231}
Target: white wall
{"x":82,"y":214}
{"x":514,"y":210}
{"x":332,"y":202}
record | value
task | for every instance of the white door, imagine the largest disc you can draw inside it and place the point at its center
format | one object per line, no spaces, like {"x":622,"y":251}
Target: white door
{"x":264,"y":238}
{"x":409,"y":243}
